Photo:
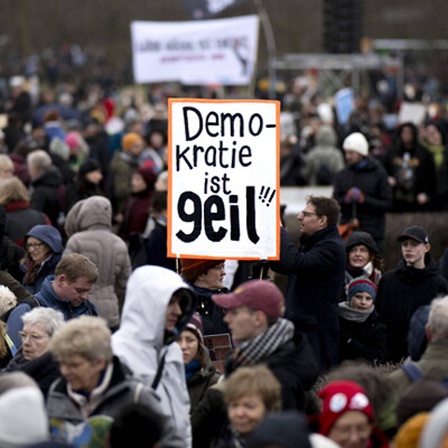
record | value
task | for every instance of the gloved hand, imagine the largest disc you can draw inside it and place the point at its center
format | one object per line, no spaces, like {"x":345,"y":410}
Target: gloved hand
{"x":354,"y":195}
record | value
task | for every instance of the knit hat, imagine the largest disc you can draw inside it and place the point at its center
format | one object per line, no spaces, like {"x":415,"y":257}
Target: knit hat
{"x":436,"y":428}
{"x":23,"y":417}
{"x":360,"y":284}
{"x":358,"y":238}
{"x":287,"y":429}
{"x":339,"y":397}
{"x":195,"y":326}
{"x":129,"y":140}
{"x":193,"y":268}
{"x":148,"y":176}
{"x":88,"y":166}
{"x":408,"y":435}
{"x":259,"y":295}
{"x":356,"y":142}
{"x":416,"y":233}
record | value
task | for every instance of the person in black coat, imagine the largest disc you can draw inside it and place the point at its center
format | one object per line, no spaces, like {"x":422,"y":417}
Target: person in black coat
{"x":362,"y":334}
{"x":316,"y":273}
{"x":416,"y":281}
{"x":362,"y":189}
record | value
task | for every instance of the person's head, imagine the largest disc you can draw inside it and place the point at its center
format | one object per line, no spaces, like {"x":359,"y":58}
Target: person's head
{"x":435,"y":431}
{"x":90,"y":170}
{"x":191,"y":341}
{"x":135,"y":422}
{"x":203,"y":273}
{"x":39,"y":325}
{"x":319,"y":213}
{"x":83,"y":349}
{"x":356,"y":148}
{"x":162,"y":181}
{"x":41,"y":241}
{"x":346,"y":416}
{"x":38,"y":162}
{"x":143,"y":179}
{"x":250,"y":393}
{"x":414,"y":246}
{"x":6,"y":167}
{"x":13,"y":190}
{"x":408,"y":434}
{"x":8,"y":300}
{"x":361,"y":293}
{"x":159,"y":202}
{"x":361,"y":249}
{"x":252,"y":308}
{"x":286,"y":429}
{"x":133,"y":144}
{"x":179,"y":303}
{"x":437,"y":326}
{"x":15,"y":379}
{"x":74,"y":276}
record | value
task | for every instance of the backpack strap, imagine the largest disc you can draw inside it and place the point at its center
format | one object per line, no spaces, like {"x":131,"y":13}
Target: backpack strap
{"x":156,"y":381}
{"x":413,"y":371}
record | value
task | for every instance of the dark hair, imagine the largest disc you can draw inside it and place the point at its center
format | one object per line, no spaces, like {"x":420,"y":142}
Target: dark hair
{"x":159,"y":201}
{"x":325,"y":206}
{"x":135,"y":422}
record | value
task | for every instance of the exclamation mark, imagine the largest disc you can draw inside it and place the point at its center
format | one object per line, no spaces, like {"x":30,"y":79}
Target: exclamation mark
{"x":261,"y":193}
{"x":270,"y":199}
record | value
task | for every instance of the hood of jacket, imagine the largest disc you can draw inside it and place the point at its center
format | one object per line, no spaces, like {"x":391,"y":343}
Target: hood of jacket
{"x":49,"y":235}
{"x":326,"y":136}
{"x":95,"y":211}
{"x":142,"y":328}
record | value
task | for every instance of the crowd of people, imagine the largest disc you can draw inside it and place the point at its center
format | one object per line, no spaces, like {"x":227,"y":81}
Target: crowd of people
{"x":103,"y":337}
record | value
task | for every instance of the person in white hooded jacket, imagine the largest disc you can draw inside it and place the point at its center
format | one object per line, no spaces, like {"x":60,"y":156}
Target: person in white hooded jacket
{"x":158,"y":305}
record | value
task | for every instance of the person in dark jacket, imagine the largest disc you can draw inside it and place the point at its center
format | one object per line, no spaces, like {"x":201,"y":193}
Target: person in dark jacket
{"x":411,"y":170}
{"x":34,"y":357}
{"x":10,"y":253}
{"x":46,"y":182}
{"x":315,"y":277}
{"x":199,"y":370}
{"x":206,"y":278}
{"x":44,"y":248}
{"x":363,"y":259}
{"x":262,"y":336}
{"x":20,"y":217}
{"x":362,"y":189}
{"x":362,"y":334}
{"x":415,"y":282}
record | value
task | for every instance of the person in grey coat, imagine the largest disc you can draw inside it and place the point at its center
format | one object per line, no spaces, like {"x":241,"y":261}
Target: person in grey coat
{"x":89,"y":228}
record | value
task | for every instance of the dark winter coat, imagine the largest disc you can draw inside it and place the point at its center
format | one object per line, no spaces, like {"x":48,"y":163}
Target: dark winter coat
{"x":371,"y":178}
{"x":45,"y":194}
{"x":44,"y":369}
{"x":316,"y":277}
{"x":200,"y":382}
{"x":363,"y":340}
{"x":400,"y":292}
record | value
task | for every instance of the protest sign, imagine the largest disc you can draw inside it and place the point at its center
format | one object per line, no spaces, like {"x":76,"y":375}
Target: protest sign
{"x":223,"y":194}
{"x":221,"y":51}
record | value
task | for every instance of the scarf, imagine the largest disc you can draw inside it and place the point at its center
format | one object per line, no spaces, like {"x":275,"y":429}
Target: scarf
{"x":191,"y":368}
{"x":348,"y":313}
{"x":250,"y":352}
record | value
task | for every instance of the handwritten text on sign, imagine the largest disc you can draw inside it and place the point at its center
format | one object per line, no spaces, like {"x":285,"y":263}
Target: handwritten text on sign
{"x":224,"y":183}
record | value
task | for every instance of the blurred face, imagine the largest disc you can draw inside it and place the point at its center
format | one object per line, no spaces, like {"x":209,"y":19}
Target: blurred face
{"x":351,"y":430}
{"x":361,"y":301}
{"x":352,"y":157}
{"x":173,"y":312}
{"x":414,"y":253}
{"x":35,"y":340}
{"x":95,"y":177}
{"x":37,"y":250}
{"x":189,"y":344}
{"x":74,"y":292}
{"x":407,"y":136}
{"x":81,"y":373}
{"x":138,"y":184}
{"x":213,"y":278}
{"x":242,"y":323}
{"x":137,"y":148}
{"x":6,"y":172}
{"x":246,"y":412}
{"x":358,"y":256}
{"x":309,"y":222}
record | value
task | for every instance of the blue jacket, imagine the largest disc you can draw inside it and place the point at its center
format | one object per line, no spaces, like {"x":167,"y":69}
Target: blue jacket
{"x":47,"y":297}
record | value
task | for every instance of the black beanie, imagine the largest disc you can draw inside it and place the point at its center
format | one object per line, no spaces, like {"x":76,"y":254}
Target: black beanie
{"x":364,"y":238}
{"x":88,"y":166}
